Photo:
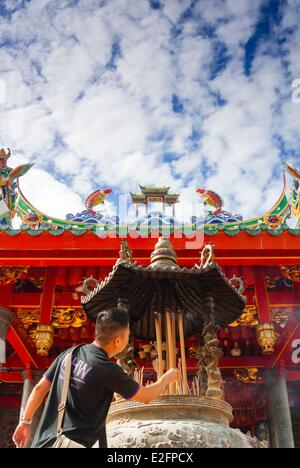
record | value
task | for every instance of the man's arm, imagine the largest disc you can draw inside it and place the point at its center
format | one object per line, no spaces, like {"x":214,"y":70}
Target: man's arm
{"x":147,"y":394}
{"x":22,"y":434}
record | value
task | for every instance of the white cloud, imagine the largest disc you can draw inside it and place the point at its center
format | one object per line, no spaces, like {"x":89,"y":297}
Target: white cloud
{"x":94,"y":125}
{"x":49,"y":195}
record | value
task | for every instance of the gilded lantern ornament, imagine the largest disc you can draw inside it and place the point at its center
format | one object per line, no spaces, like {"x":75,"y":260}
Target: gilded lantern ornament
{"x":44,"y":339}
{"x":266,"y":337}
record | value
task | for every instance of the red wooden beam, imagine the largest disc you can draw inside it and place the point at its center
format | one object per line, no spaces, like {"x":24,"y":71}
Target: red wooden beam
{"x":293,"y":375}
{"x":11,"y":377}
{"x":90,"y":250}
{"x":96,"y":258}
{"x":262,"y":299}
{"x":33,"y":300}
{"x":48,"y":296}
{"x":18,"y":345}
{"x":285,"y":298}
{"x":261,"y":362}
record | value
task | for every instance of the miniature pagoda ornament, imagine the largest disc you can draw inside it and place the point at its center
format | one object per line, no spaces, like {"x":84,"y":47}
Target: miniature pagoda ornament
{"x":8,"y":187}
{"x":154,"y":194}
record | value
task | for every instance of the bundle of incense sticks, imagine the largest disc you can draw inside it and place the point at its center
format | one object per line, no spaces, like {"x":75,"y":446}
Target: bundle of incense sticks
{"x":195,"y":390}
{"x":180,"y":383}
{"x":139,"y":376}
{"x":181,"y":389}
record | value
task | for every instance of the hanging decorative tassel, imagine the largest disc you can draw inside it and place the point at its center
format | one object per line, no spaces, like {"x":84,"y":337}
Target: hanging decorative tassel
{"x":2,"y":351}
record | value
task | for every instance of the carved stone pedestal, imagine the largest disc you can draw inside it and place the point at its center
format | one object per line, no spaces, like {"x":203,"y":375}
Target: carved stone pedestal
{"x":175,"y":422}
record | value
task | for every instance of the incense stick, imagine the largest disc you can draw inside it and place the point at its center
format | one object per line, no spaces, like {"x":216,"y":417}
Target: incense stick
{"x":139,"y":376}
{"x":158,"y":327}
{"x":182,"y":350}
{"x":174,"y":339}
{"x":196,"y":386}
{"x":170,"y":347}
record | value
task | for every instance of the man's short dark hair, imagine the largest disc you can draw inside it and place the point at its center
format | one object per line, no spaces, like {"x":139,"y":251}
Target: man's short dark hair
{"x":109,"y":323}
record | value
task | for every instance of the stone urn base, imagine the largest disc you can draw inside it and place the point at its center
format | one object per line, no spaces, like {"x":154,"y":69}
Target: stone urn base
{"x":175,"y":422}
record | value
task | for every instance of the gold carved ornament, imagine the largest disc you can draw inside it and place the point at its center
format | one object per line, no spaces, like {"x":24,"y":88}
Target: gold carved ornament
{"x":291,"y":272}
{"x":62,"y":317}
{"x":10,"y":275}
{"x":247,"y":376}
{"x":66,"y":317}
{"x":281,"y":316}
{"x":249,"y":318}
{"x":42,"y":335}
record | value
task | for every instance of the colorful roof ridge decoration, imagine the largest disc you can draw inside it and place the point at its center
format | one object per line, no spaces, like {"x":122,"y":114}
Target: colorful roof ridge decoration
{"x":223,"y":217}
{"x":295,"y":193}
{"x":292,"y":171}
{"x":188,"y":230}
{"x":34,"y":221}
{"x":211,"y":199}
{"x":87,"y":217}
{"x":96,"y":198}
{"x":274,"y":219}
{"x":8,"y":186}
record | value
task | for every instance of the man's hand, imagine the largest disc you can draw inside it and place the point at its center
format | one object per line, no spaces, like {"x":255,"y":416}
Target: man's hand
{"x":147,"y":394}
{"x":22,"y":435}
{"x":173,"y":375}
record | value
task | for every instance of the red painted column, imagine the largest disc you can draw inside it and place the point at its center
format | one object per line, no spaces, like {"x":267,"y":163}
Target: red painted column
{"x":48,"y":296}
{"x":262,"y":297}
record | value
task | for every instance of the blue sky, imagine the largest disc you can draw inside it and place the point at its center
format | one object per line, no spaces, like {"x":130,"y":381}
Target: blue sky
{"x":186,"y":93}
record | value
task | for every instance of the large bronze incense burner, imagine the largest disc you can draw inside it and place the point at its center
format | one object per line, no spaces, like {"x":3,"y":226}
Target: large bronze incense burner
{"x":168,"y":304}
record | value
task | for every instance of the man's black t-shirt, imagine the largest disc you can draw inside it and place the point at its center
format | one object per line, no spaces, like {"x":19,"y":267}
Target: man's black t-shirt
{"x":94,"y":380}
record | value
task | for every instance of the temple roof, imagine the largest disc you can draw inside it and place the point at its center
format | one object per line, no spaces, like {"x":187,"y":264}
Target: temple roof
{"x":154,"y":189}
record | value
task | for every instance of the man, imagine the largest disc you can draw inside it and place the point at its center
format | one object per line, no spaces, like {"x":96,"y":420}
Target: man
{"x":94,"y":380}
